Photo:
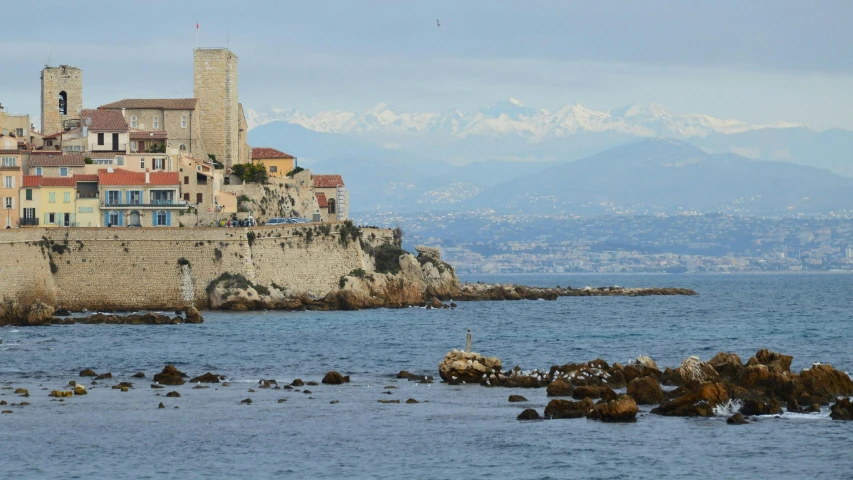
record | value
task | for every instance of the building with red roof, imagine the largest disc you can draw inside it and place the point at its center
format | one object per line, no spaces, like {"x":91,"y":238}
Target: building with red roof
{"x":277,"y":163}
{"x":149,"y":199}
{"x":334,"y":195}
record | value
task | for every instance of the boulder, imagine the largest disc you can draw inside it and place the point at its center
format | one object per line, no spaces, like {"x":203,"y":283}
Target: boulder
{"x":841,"y":410}
{"x":825,"y":383}
{"x":621,"y":409}
{"x":246,"y":401}
{"x":334,"y":378}
{"x":22,"y":391}
{"x":61,"y":393}
{"x":516,"y":398}
{"x":138,"y":375}
{"x":760,"y":376}
{"x":523,"y":381}
{"x":729,"y":365}
{"x":559,"y":408}
{"x":88,"y":373}
{"x":161,"y":405}
{"x":771,"y":359}
{"x":170,"y":376}
{"x":40,"y":314}
{"x":529,"y":414}
{"x":585,"y":391}
{"x":697,"y":401}
{"x":80,"y":390}
{"x":459,"y":366}
{"x":104,"y":376}
{"x":736,"y":419}
{"x":411,"y":401}
{"x":646,"y":391}
{"x":644,"y":361}
{"x":693,"y":371}
{"x":122,"y":386}
{"x":403,"y":374}
{"x":173,"y":394}
{"x":208,"y":378}
{"x":298,"y":383}
{"x":193,"y":316}
{"x":760,"y":406}
{"x":560,"y":388}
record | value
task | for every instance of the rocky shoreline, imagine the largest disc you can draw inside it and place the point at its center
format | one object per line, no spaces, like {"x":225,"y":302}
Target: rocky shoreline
{"x":39,"y":314}
{"x":764,"y":385}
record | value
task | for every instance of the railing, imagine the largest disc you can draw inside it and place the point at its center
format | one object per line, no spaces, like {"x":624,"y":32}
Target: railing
{"x":28,"y":222}
{"x":108,"y":147}
{"x":154,"y":203}
{"x":87,"y":194}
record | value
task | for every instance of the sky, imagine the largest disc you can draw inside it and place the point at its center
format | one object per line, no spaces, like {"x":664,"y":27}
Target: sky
{"x":753,"y":60}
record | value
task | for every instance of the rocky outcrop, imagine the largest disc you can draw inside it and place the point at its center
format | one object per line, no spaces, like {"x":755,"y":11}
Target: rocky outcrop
{"x":842,"y":410}
{"x":205,"y":378}
{"x":560,"y":388}
{"x":646,"y":391}
{"x":824,"y":383}
{"x":469,"y":367}
{"x":335,"y":378}
{"x":736,"y":419}
{"x":558,"y":408}
{"x":696,"y":401}
{"x":621,"y":409}
{"x":170,"y":376}
{"x":727,"y":364}
{"x":36,"y":314}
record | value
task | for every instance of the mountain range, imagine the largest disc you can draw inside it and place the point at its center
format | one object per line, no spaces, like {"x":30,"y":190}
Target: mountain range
{"x":508,"y":157}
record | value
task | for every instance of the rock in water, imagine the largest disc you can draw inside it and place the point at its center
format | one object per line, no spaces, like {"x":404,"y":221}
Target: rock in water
{"x":728,"y":365}
{"x":88,"y":373}
{"x":80,"y":390}
{"x":207,"y":378}
{"x":173,"y":394}
{"x":529,"y":414}
{"x":170,"y":376}
{"x":736,"y":419}
{"x":60,"y":393}
{"x":333,"y":378}
{"x":298,"y":383}
{"x":516,"y":398}
{"x":139,"y":375}
{"x":760,"y":406}
{"x":771,"y":359}
{"x":40,"y":313}
{"x":568,"y":409}
{"x":623,"y":409}
{"x":161,"y":405}
{"x":459,"y":366}
{"x":826,"y":383}
{"x":193,"y":316}
{"x":842,"y":410}
{"x":646,"y":391}
{"x":698,"y":401}
{"x":694,"y":371}
{"x":560,"y":388}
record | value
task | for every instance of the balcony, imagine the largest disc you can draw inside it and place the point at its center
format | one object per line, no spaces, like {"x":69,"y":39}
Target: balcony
{"x":151,"y":204}
{"x":28,"y":222}
{"x":108,"y":147}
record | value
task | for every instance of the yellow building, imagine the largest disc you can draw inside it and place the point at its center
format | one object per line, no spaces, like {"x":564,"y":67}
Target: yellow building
{"x":48,"y":201}
{"x":278,"y":163}
{"x":10,"y":183}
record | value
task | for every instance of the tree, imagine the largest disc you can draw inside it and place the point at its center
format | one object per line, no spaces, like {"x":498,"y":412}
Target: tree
{"x":250,"y":172}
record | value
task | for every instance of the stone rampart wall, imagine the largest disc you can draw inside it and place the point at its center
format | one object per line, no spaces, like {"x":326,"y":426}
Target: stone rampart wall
{"x":118,"y":268}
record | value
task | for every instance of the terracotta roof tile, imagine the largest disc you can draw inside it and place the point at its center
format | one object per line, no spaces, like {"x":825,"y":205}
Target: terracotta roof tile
{"x":85,"y":178}
{"x":53,"y":135}
{"x":124,"y":177}
{"x":327,"y":181}
{"x":9,"y":152}
{"x":39,"y":181}
{"x":102,"y":154}
{"x":264,"y":153}
{"x":104,"y":120}
{"x":321,"y":200}
{"x":148,"y":135}
{"x":154,"y":103}
{"x":56,"y":159}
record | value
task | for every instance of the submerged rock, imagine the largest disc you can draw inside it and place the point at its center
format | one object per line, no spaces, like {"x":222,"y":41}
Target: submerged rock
{"x":88,"y":373}
{"x":841,"y":410}
{"x":529,"y":414}
{"x":736,"y":419}
{"x":208,"y":378}
{"x":335,"y":378}
{"x":516,"y":398}
{"x":170,"y":376}
{"x":173,"y":394}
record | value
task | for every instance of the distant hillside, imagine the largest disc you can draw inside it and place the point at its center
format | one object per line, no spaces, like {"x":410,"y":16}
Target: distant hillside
{"x":669,"y":176}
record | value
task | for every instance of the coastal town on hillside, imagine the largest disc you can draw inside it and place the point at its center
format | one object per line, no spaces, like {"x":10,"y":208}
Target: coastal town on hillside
{"x":168,"y":162}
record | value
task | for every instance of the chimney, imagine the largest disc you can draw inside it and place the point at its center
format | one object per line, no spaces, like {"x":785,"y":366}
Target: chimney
{"x":124,"y":113}
{"x":147,"y":176}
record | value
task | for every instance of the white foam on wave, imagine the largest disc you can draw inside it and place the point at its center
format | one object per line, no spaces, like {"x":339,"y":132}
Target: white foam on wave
{"x":728,"y":409}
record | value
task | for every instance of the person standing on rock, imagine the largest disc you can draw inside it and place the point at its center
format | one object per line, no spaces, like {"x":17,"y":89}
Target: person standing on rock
{"x":468,"y":341}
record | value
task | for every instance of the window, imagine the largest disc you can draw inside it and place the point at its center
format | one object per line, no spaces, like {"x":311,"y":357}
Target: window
{"x":7,"y":203}
{"x":66,"y":197}
{"x":134,"y":197}
{"x":198,"y":167}
{"x":103,"y":161}
{"x":331,"y":206}
{"x":63,"y":171}
{"x":186,"y":180}
{"x":183,"y":148}
{"x":227,"y":180}
{"x":8,"y":182}
{"x":155,"y":123}
{"x":133,"y":145}
{"x":113,"y":218}
{"x":142,"y":164}
{"x":19,"y":132}
{"x":120,"y":161}
{"x":29,"y":213}
{"x":160,"y":219}
{"x":133,"y":121}
{"x":273,"y":169}
{"x":38,"y":171}
{"x":49,"y":143}
{"x":199,"y":198}
{"x":29,"y":194}
{"x":158,"y":163}
{"x":113,"y":197}
{"x":184,"y":121}
{"x":85,"y":210}
{"x":162,"y":197}
{"x":9,"y":161}
{"x":52,"y":197}
{"x":100,"y":138}
{"x":63,"y":103}
{"x":51,"y":218}
{"x":187,"y":197}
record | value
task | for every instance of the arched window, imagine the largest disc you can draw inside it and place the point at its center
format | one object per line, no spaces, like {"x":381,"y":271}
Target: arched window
{"x":63,"y":103}
{"x":114,"y":218}
{"x":332,"y":206}
{"x":182,"y":148}
{"x":160,"y":218}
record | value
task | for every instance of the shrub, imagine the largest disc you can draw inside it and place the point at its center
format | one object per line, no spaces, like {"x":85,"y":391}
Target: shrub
{"x":88,"y":160}
{"x":349,"y":232}
{"x":183,"y":261}
{"x":217,"y":254}
{"x":57,"y":248}
{"x":250,"y":172}
{"x":251,"y":238}
{"x":388,"y":258}
{"x":294,"y":171}
{"x":358,"y":272}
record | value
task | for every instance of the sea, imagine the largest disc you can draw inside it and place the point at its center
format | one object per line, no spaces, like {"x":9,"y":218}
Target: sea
{"x":460,"y":432}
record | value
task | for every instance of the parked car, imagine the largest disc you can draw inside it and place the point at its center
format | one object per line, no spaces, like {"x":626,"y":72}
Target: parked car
{"x":277,"y":221}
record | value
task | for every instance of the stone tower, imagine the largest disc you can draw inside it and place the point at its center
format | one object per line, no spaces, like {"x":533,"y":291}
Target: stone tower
{"x":215,"y":87}
{"x":61,"y":97}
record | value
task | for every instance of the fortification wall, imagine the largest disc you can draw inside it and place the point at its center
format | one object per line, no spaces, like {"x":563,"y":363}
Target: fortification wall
{"x":164,"y":268}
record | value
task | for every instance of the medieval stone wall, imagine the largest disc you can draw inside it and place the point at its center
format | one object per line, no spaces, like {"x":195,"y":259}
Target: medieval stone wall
{"x":53,"y":81}
{"x":156,"y":268}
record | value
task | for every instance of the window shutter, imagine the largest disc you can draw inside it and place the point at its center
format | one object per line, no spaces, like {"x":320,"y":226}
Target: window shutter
{"x":72,"y":220}
{"x":46,"y":217}
{"x":168,"y":218}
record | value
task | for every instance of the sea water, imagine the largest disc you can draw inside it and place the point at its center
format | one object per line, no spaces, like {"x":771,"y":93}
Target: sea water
{"x":465,"y":431}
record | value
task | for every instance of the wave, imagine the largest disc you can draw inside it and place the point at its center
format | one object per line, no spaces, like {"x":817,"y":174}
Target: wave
{"x":728,"y":409}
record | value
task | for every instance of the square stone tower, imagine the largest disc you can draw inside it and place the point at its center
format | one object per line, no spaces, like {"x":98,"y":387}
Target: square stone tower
{"x":61,"y":97}
{"x":215,"y":87}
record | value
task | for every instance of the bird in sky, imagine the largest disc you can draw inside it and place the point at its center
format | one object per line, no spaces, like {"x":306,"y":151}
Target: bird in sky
{"x":437,"y":23}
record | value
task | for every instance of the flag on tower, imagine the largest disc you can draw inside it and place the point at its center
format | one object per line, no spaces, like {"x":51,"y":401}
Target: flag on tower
{"x":196,"y":25}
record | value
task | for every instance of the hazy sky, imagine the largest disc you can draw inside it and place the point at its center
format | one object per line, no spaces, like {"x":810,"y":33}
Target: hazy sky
{"x":758,"y":61}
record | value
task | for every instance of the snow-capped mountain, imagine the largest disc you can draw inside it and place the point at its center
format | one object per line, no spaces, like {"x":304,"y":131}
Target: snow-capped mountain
{"x":511,"y":118}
